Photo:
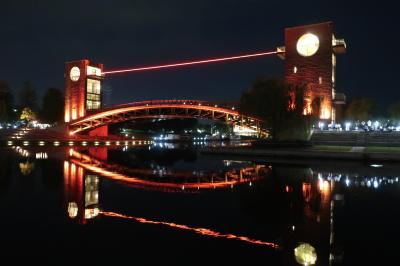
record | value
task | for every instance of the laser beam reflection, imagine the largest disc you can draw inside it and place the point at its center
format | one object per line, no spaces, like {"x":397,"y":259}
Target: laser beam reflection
{"x":189,"y":63}
{"x":201,"y":231}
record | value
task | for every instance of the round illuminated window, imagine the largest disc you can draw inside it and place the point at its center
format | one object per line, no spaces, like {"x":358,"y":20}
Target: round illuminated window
{"x":75,"y":73}
{"x":308,"y":44}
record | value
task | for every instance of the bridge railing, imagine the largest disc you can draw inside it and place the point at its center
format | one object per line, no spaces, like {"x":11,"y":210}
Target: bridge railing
{"x":161,"y":102}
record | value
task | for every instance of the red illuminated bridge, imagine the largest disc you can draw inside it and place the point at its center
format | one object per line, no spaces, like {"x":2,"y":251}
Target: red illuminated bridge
{"x":97,"y":123}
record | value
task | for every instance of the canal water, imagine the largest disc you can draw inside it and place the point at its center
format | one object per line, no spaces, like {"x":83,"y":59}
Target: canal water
{"x":166,"y":205}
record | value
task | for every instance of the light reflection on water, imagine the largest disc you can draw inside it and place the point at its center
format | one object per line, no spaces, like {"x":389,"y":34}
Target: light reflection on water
{"x":307,"y":198}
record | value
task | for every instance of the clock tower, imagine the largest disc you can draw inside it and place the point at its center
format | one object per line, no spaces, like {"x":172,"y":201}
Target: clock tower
{"x":310,"y":60}
{"x":82,"y":88}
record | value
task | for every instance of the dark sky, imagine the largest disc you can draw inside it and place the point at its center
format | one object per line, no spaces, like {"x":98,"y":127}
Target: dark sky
{"x":37,"y":37}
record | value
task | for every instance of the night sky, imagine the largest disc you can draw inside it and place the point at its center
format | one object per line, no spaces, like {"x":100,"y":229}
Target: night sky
{"x":37,"y":37}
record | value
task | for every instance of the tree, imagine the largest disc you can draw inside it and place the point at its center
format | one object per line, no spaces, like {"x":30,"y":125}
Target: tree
{"x":268,"y":99}
{"x":6,"y":102}
{"x":28,"y":115}
{"x":394,"y":111}
{"x":360,"y":109}
{"x":280,"y":106}
{"x":28,"y":96}
{"x":53,"y":106}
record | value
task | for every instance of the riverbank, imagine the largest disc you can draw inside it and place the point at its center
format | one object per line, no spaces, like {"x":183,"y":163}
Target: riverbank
{"x":317,"y":152}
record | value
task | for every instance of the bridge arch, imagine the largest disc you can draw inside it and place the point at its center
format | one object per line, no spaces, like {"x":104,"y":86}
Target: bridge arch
{"x":99,"y":121}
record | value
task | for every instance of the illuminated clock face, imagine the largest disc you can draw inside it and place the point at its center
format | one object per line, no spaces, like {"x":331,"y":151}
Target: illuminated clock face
{"x":308,"y":44}
{"x":75,"y":73}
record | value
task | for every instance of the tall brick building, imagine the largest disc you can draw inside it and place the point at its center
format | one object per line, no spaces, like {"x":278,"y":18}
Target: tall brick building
{"x":82,"y":88}
{"x":310,"y":60}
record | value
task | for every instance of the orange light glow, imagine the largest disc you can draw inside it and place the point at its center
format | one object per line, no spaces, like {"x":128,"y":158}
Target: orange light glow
{"x":135,"y":181}
{"x":325,"y":112}
{"x":323,"y":185}
{"x":84,"y":123}
{"x":66,"y":118}
{"x":201,"y":231}
{"x":306,"y":191}
{"x":74,"y":116}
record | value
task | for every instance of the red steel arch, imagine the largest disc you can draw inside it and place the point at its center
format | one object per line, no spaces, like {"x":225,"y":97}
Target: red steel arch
{"x":163,"y":109}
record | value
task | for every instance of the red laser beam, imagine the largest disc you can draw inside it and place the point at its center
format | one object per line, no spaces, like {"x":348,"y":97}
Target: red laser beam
{"x":201,"y":231}
{"x":190,"y":63}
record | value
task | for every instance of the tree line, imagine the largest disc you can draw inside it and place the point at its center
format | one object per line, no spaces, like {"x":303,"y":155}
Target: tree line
{"x":50,"y":110}
{"x":364,"y":108}
{"x":281,"y":106}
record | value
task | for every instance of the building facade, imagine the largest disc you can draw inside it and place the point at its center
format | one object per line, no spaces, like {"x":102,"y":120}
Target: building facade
{"x":82,"y":88}
{"x":310,"y":61}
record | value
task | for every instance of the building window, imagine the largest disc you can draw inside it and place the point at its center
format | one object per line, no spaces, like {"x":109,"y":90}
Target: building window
{"x":320,"y":80}
{"x":93,"y":94}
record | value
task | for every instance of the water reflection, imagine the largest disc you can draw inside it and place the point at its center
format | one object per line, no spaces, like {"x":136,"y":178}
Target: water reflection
{"x":166,"y":180}
{"x":81,"y":192}
{"x":274,"y":205}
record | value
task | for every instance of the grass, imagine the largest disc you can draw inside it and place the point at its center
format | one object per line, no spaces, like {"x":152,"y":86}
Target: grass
{"x":331,"y":148}
{"x":383,"y":149}
{"x":348,"y":148}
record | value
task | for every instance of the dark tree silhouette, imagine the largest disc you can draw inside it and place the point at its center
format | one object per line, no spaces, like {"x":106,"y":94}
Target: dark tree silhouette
{"x":280,"y":106}
{"x":53,"y":106}
{"x":28,"y":97}
{"x":6,"y":102}
{"x":360,"y":109}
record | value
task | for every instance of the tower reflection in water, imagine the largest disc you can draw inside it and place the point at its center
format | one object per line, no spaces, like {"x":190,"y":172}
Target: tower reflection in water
{"x":312,"y":198}
{"x":81,"y":180}
{"x":81,"y":193}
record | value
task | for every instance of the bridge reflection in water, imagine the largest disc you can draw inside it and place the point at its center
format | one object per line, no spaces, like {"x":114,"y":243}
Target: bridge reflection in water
{"x":82,"y":189}
{"x":82,"y":173}
{"x":285,"y":203}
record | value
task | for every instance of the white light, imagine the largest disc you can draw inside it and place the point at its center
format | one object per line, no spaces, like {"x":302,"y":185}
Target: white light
{"x":347,"y":182}
{"x":75,"y":73}
{"x":84,"y":143}
{"x":56,"y":143}
{"x":41,"y":143}
{"x":376,"y":184}
{"x":308,"y":44}
{"x":348,"y":124}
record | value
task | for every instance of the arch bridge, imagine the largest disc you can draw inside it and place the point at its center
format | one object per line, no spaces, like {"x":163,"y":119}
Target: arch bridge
{"x":96,"y":123}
